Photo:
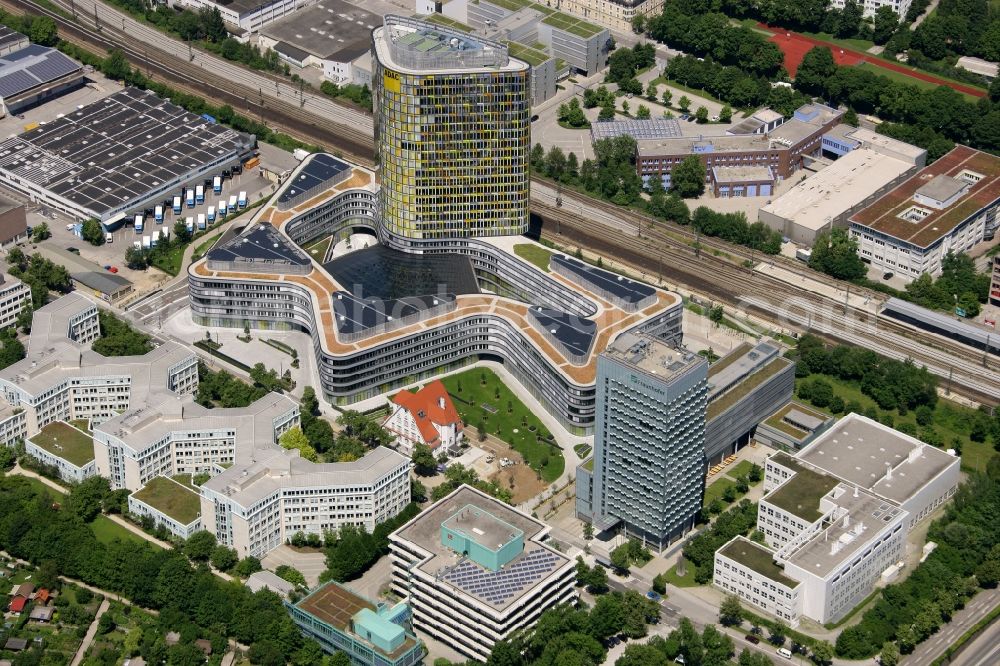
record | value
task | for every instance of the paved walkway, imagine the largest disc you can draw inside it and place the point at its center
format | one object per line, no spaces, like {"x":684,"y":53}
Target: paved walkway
{"x":976,"y":609}
{"x":91,"y":632}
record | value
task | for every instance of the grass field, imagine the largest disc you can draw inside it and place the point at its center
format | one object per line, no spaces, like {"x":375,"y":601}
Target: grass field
{"x":171,"y":498}
{"x":675,"y":102}
{"x":537,"y":255}
{"x":687,"y":580}
{"x":487,"y":404}
{"x":911,"y":80}
{"x":741,"y":469}
{"x":951,"y":422}
{"x":66,"y":442}
{"x":716,"y":489}
{"x":318,"y":249}
{"x":204,"y":246}
{"x":106,"y":531}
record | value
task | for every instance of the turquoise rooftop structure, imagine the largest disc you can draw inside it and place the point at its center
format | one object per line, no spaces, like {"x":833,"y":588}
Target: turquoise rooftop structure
{"x":482,"y":537}
{"x":371,"y":635}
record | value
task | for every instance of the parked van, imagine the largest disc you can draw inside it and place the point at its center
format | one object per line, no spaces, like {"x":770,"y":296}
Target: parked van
{"x":785,"y":652}
{"x":108,"y":238}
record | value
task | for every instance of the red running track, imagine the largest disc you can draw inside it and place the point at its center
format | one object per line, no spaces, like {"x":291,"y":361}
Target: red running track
{"x":795,"y":47}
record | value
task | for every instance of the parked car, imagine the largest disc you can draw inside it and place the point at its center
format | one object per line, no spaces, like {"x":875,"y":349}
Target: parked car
{"x":653,"y":596}
{"x":752,"y":639}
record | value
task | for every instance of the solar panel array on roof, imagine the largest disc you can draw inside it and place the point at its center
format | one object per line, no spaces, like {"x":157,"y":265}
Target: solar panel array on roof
{"x":262,"y":244}
{"x":355,"y":315}
{"x":318,"y":170}
{"x":574,"y":334}
{"x":390,"y":274}
{"x":654,"y":128}
{"x":121,"y":151}
{"x":497,"y":588}
{"x":31,"y":67}
{"x":629,"y":291}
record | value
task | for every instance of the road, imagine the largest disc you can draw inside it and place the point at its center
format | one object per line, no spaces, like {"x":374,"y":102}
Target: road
{"x":984,"y":651}
{"x":91,"y":632}
{"x":977,"y":652}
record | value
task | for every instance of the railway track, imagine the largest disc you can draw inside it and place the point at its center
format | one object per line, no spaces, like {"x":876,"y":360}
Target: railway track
{"x":775,"y":301}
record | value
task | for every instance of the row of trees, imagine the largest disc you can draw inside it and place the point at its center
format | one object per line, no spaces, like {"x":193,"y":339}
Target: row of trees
{"x":624,"y":63}
{"x":967,"y":558}
{"x":890,"y":383}
{"x":188,"y":598}
{"x":735,"y":228}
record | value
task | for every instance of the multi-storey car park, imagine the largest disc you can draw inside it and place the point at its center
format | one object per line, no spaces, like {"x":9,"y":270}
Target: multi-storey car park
{"x":381,"y":318}
{"x":474,"y":570}
{"x":835,"y":517}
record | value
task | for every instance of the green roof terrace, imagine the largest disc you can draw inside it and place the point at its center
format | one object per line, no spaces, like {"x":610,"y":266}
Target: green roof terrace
{"x":64,"y":441}
{"x":757,"y":558}
{"x":171,"y":498}
{"x":800,"y":495}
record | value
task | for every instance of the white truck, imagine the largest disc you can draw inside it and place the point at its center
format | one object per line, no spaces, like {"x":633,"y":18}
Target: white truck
{"x":201,"y":221}
{"x":242,"y":200}
{"x":137,"y":223}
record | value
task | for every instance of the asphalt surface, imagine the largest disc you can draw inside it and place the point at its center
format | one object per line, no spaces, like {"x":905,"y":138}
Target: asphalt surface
{"x":977,"y":651}
{"x":984,"y":651}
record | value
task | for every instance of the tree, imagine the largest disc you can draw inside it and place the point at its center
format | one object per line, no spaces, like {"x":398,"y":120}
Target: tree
{"x":247,"y":566}
{"x":652,"y":92}
{"x":215,"y":27}
{"x":885,"y":23}
{"x":816,"y":69}
{"x":43,"y":31}
{"x":86,"y":498}
{"x":684,"y":103}
{"x":850,"y":116}
{"x":718,"y":647}
{"x":620,"y":559}
{"x":181,"y":233}
{"x":41,"y":231}
{"x":136,"y":258}
{"x":779,"y":630}
{"x":639,"y":23}
{"x":423,"y":460}
{"x":572,"y":115}
{"x":701,"y":115}
{"x":836,"y":253}
{"x":666,"y":97}
{"x":850,"y":19}
{"x":726,"y":114}
{"x":116,"y":66}
{"x":537,"y":159}
{"x":291,"y":574}
{"x":749,"y":658}
{"x":639,"y":654}
{"x":200,"y":546}
{"x":822,"y":653}
{"x":93,"y":232}
{"x":730,"y":611}
{"x":555,"y":163}
{"x":296,"y":439}
{"x":889,"y":655}
{"x":687,"y":179}
{"x":223,"y":558}
{"x":642,"y":113}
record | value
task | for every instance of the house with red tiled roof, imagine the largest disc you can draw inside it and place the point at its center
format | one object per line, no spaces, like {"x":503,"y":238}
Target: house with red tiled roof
{"x":17,"y":604}
{"x":427,"y":416}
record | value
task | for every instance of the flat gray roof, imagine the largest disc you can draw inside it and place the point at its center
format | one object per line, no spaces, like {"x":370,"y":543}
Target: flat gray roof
{"x":942,"y":187}
{"x":862,"y":451}
{"x":330,"y":30}
{"x":33,"y":67}
{"x":652,"y":356}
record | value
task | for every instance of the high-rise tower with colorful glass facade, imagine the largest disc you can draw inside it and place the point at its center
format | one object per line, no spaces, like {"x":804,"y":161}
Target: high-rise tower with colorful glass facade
{"x":452,"y":134}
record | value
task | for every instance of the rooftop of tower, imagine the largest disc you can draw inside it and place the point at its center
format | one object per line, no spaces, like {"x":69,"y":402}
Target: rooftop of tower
{"x":415,"y":46}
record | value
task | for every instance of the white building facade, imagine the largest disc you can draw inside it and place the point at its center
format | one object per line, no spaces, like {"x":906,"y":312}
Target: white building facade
{"x":871,"y":6}
{"x":14,"y":294}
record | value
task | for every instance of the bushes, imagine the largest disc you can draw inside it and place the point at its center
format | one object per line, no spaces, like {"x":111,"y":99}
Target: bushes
{"x":733,"y":227}
{"x":118,"y":338}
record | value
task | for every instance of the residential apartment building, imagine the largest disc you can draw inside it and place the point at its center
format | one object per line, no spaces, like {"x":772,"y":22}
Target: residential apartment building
{"x":258,"y":504}
{"x":62,"y":379}
{"x":14,"y":295}
{"x":371,"y":634}
{"x":835,"y":516}
{"x":735,"y":164}
{"x":901,"y":7}
{"x":427,"y":417}
{"x":647,"y":472}
{"x":172,"y":435}
{"x":472,"y":178}
{"x":475,"y":570}
{"x":949,"y":206}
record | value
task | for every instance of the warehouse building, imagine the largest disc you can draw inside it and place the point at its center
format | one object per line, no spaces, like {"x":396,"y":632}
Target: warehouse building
{"x":245,"y":15}
{"x":89,"y":277}
{"x":13,"y":222}
{"x":329,"y":35}
{"x":35,"y":74}
{"x":475,"y":570}
{"x":117,"y":155}
{"x":11,"y":40}
{"x":835,"y":517}
{"x":867,"y":166}
{"x":949,"y":206}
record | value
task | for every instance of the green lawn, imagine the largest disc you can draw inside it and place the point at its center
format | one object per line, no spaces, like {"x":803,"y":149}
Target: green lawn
{"x":169,"y":261}
{"x":687,"y":580}
{"x":742,"y":469}
{"x":171,"y":498}
{"x":675,"y":102}
{"x":38,"y":485}
{"x":715,"y":490}
{"x":519,"y":427}
{"x":318,"y":249}
{"x":107,"y":531}
{"x":66,"y":442}
{"x":582,"y":450}
{"x":204,"y":246}
{"x":80,"y":424}
{"x":536,"y":254}
{"x":861,"y":45}
{"x":912,"y":80}
{"x":951,"y":422}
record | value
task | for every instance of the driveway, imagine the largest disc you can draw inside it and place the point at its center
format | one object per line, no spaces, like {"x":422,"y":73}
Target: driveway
{"x":310,"y":564}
